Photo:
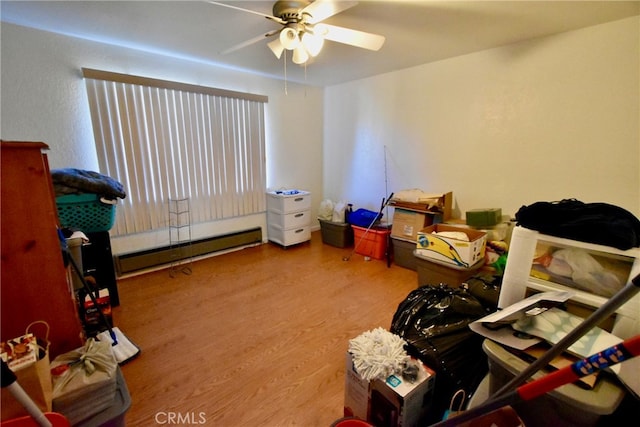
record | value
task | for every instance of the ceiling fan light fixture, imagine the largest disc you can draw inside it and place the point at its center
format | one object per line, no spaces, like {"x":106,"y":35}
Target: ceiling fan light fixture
{"x":313,"y":43}
{"x":276,"y":47}
{"x":300,"y":55}
{"x":304,"y":31}
{"x":289,"y":38}
{"x":320,"y":30}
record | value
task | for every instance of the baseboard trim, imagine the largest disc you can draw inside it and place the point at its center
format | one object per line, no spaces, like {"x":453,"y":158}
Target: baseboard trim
{"x":129,"y":263}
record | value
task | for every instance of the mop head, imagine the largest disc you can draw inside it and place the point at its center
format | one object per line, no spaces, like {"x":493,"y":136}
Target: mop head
{"x":123,"y":349}
{"x":378,"y":354}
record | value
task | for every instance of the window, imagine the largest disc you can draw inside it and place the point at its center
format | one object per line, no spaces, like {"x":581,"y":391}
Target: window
{"x":166,"y":140}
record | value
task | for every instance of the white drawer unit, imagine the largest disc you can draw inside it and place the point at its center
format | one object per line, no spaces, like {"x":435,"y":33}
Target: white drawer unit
{"x":288,"y":201}
{"x":289,"y":237}
{"x":289,"y":220}
{"x":289,"y":216}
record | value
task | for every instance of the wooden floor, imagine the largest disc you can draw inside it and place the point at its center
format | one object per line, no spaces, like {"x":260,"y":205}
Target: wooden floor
{"x":255,"y":337}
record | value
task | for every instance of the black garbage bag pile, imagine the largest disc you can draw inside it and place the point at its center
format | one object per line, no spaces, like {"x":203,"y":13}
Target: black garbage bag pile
{"x":434,"y":321}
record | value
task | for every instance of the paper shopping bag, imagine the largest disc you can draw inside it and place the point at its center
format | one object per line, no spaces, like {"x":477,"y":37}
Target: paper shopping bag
{"x":28,"y":357}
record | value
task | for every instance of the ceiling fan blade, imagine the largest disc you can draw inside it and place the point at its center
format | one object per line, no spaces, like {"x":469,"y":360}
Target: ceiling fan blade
{"x":319,"y":10}
{"x":271,"y":17}
{"x":351,"y":37}
{"x":250,"y":42}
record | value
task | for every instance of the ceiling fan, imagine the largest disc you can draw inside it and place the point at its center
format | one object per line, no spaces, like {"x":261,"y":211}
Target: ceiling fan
{"x":303,"y":31}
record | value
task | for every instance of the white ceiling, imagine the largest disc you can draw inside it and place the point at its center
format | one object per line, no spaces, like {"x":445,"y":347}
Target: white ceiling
{"x":416,"y":31}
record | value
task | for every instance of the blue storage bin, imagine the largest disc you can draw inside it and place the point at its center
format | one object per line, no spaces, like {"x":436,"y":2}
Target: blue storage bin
{"x":363,"y":217}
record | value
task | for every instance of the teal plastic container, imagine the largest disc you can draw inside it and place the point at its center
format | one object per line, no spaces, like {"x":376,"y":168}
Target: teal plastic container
{"x":86,"y":212}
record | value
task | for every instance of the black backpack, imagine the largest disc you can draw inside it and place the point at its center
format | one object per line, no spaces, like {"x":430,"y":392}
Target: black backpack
{"x":599,"y":223}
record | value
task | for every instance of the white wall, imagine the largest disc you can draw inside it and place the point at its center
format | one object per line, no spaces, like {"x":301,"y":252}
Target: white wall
{"x":547,"y":119}
{"x":44,"y":99}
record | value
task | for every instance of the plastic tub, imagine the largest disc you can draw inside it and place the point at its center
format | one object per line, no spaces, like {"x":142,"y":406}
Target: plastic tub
{"x":364,"y":218}
{"x":568,"y":405}
{"x":372,"y":243}
{"x":403,"y":253}
{"x":432,"y":272}
{"x":114,"y":415}
{"x":350,"y":422}
{"x":336,"y":234}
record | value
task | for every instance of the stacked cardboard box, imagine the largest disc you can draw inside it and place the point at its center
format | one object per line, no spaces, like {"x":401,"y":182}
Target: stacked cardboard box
{"x":395,"y":401}
{"x":454,"y":251}
{"x":409,"y":218}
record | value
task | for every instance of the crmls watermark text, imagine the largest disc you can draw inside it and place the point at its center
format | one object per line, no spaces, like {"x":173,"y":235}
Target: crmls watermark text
{"x":179,"y":418}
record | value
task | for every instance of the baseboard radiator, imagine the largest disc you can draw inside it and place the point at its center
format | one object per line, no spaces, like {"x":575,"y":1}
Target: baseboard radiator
{"x":129,"y":263}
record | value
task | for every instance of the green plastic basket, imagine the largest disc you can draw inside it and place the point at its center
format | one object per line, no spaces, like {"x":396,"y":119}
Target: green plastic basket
{"x":85,"y":212}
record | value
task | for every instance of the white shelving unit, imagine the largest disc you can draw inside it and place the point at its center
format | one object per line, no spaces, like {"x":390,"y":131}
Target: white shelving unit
{"x":180,"y":236}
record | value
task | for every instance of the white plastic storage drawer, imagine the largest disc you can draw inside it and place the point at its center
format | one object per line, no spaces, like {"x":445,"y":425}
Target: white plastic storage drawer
{"x":290,"y":220}
{"x":289,"y":237}
{"x":285,"y":203}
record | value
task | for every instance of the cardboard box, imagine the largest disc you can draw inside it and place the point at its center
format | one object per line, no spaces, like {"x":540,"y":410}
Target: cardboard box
{"x":397,"y":402}
{"x":457,"y":252}
{"x":20,"y":352}
{"x":484,"y":217}
{"x":394,"y":402}
{"x":441,"y":203}
{"x":90,"y":316}
{"x":356,"y":392}
{"x":407,"y":223}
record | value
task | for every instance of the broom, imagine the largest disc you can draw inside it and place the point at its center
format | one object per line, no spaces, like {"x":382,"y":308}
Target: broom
{"x":615,"y":354}
{"x":587,"y":366}
{"x":36,"y":416}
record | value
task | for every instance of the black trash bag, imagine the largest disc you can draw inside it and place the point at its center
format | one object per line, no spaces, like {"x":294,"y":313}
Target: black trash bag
{"x":599,"y":223}
{"x":486,"y":288}
{"x":434,"y":321}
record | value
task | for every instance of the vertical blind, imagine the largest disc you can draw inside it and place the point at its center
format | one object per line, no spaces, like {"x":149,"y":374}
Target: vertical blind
{"x":166,"y":140}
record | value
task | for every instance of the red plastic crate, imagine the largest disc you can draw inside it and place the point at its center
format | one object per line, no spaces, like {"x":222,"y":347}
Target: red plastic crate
{"x":372,"y":243}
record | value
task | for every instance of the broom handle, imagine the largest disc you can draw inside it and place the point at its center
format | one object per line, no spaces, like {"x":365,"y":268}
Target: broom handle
{"x":587,"y":366}
{"x":505,"y":395}
{"x":9,"y":381}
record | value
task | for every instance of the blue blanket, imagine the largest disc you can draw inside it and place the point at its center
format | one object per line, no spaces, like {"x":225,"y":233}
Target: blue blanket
{"x":76,"y":181}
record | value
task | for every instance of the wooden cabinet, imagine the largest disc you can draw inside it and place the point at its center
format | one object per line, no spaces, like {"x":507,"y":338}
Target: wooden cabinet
{"x":289,"y":217}
{"x":33,"y":281}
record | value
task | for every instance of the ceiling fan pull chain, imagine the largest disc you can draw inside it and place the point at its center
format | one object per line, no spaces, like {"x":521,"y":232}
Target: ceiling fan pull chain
{"x":285,"y":72}
{"x":305,"y":79}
